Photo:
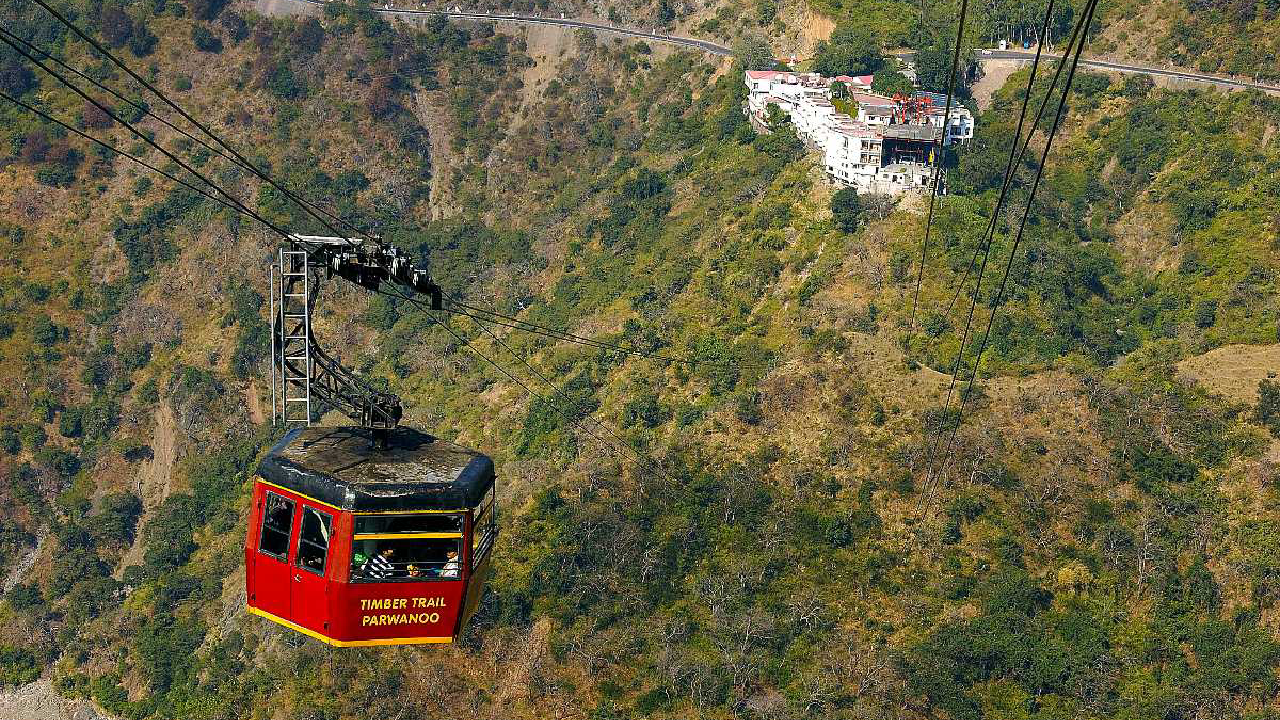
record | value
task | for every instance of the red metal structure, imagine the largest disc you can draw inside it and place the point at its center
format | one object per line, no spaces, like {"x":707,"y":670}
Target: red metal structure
{"x":357,"y":545}
{"x":912,"y":108}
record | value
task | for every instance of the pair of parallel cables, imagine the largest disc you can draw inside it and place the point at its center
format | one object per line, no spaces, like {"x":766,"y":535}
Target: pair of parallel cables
{"x":1017,"y":153}
{"x":214,"y":192}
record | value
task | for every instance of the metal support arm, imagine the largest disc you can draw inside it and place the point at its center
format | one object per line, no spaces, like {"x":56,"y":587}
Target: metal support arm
{"x":301,"y":370}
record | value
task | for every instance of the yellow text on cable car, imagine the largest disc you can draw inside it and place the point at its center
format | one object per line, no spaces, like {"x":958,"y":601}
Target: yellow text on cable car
{"x":399,"y":619}
{"x":401,"y":603}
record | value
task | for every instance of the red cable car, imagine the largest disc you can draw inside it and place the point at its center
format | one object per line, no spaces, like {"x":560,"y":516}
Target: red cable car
{"x":354,"y":544}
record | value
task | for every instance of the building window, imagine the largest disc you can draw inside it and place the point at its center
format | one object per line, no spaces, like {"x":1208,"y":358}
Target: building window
{"x":277,"y":526}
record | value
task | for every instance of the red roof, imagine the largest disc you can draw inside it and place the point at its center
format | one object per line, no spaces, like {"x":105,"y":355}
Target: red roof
{"x":863,"y":80}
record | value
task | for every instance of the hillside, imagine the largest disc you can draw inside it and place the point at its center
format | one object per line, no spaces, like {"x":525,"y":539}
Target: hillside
{"x":1101,"y":541}
{"x":1218,"y":37}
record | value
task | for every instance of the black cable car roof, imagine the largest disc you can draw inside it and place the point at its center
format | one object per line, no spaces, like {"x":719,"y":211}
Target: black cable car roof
{"x":340,"y":466}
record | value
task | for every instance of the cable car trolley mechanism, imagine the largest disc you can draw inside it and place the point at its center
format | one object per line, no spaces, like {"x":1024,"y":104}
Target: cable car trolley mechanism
{"x":365,"y":534}
{"x":372,"y":533}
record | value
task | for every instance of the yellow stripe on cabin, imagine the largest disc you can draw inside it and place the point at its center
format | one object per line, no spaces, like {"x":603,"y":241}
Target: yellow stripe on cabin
{"x":406,"y":536}
{"x":346,"y":643}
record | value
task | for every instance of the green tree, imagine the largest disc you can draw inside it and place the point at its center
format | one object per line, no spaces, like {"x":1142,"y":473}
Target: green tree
{"x":1268,"y":412}
{"x":168,"y":537}
{"x":24,"y":597}
{"x":644,"y":409}
{"x":781,"y":144}
{"x":752,"y":52}
{"x":308,"y":36}
{"x":43,"y":406}
{"x":60,"y":461}
{"x":253,"y":335}
{"x":666,"y":12}
{"x":1137,"y":87}
{"x":204,"y":39}
{"x":15,"y":77}
{"x":766,"y":11}
{"x":749,"y":408}
{"x":282,"y":83}
{"x":1206,"y":313}
{"x":143,"y":42}
{"x":10,"y":442}
{"x":846,"y":209}
{"x":775,"y":118}
{"x":888,"y":81}
{"x":33,"y":436}
{"x":206,"y":9}
{"x":852,"y":50}
{"x":73,"y":565}
{"x":117,"y":520}
{"x":237,"y":28}
{"x":548,"y":422}
{"x":933,"y":66}
{"x":46,"y":333}
{"x":115,"y":25}
{"x":18,"y":666}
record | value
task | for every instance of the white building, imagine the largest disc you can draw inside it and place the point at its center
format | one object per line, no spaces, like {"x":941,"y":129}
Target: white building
{"x":961,"y":118}
{"x":887,"y":148}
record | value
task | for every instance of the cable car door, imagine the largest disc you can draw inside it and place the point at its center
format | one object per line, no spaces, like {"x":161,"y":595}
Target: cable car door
{"x":271,"y":564}
{"x":309,"y":588}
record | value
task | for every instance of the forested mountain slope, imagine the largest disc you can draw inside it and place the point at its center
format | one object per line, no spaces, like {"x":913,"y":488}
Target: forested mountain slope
{"x":1101,"y":541}
{"x":1230,"y":37}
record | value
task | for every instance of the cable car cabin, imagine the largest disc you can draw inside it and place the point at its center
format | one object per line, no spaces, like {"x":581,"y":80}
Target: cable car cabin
{"x":354,"y":545}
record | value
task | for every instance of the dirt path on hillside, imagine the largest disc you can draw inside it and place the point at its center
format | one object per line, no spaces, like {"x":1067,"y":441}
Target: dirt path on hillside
{"x":39,"y":701}
{"x":155,"y":479}
{"x":995,"y":73}
{"x":253,"y":401}
{"x":548,"y":46}
{"x":429,"y":109}
{"x":805,"y":29}
{"x":28,"y":561}
{"x":284,"y":8}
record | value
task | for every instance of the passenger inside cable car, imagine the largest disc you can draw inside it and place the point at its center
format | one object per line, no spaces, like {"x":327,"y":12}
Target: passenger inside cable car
{"x":404,"y":559}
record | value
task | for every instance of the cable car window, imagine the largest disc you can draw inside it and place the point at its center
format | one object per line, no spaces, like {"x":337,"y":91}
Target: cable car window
{"x":406,"y":559}
{"x":483,"y":528}
{"x":313,"y":540}
{"x":401,"y":524}
{"x":277,"y":525}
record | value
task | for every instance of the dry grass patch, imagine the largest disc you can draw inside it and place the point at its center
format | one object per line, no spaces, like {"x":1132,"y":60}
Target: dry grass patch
{"x":1233,"y":371}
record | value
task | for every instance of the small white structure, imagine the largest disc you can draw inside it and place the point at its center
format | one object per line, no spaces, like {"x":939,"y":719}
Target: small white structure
{"x":886,"y":148}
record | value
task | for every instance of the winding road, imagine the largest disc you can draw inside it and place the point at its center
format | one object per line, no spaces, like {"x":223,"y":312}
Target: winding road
{"x":704,"y":45}
{"x":281,"y":7}
{"x":1171,"y":73}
